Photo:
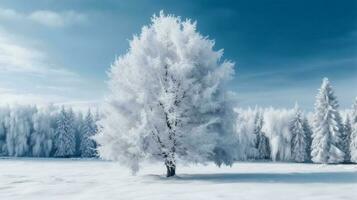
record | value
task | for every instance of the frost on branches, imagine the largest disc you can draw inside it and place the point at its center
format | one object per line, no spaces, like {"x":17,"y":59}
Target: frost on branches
{"x":353,"y":143}
{"x":167,"y":100}
{"x":87,"y":144}
{"x":65,"y":135}
{"x":327,"y":143}
{"x":262,"y":142}
{"x":298,"y":137}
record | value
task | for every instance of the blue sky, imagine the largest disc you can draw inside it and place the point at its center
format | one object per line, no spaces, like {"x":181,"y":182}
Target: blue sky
{"x":59,"y":51}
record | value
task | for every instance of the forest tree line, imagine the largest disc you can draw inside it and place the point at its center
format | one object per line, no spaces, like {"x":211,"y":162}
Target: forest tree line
{"x":51,"y":131}
{"x":261,"y":133}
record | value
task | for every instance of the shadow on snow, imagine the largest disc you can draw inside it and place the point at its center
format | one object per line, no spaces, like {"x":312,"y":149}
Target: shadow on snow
{"x":309,"y":177}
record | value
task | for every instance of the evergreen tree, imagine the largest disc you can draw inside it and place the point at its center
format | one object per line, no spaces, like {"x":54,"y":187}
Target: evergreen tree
{"x":353,"y":139}
{"x":327,"y":143}
{"x":79,"y":124}
{"x":262,"y":142}
{"x":88,"y":145}
{"x":308,"y":133}
{"x":43,"y":135}
{"x":346,"y":137}
{"x":65,"y":134}
{"x":298,"y":137}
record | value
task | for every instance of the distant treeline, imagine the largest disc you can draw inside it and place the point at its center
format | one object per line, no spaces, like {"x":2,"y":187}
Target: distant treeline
{"x":46,"y":132}
{"x":322,"y":136}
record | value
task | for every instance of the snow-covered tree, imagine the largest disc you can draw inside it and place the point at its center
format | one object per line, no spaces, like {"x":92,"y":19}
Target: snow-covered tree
{"x":327,"y":143}
{"x":262,"y":142}
{"x":245,"y":129}
{"x":308,"y":133}
{"x":298,"y":137}
{"x":346,"y":138}
{"x":276,"y":128}
{"x":167,"y":99}
{"x":19,"y":129}
{"x":65,"y":134}
{"x":4,"y":113}
{"x":44,"y":132}
{"x":353,"y":142}
{"x":79,"y":132}
{"x":87,"y":145}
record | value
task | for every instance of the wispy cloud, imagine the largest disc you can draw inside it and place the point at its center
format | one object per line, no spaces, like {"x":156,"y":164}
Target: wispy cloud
{"x":54,"y":19}
{"x":17,"y":57}
{"x":45,"y":17}
{"x":28,"y":76}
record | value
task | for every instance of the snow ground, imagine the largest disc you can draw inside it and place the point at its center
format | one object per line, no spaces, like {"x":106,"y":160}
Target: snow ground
{"x":95,"y":179}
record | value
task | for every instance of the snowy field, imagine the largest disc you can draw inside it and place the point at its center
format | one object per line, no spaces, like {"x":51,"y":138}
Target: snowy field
{"x":94,"y":179}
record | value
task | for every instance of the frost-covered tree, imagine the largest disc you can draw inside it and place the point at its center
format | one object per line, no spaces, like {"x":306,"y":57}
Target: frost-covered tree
{"x":346,"y":138}
{"x":87,"y":145}
{"x":327,"y":143}
{"x":19,"y":129}
{"x":298,"y":137}
{"x":79,"y":132}
{"x":65,"y":134}
{"x":167,"y":100}
{"x":276,"y":128}
{"x":245,"y":129}
{"x":4,"y":113}
{"x":44,"y":132}
{"x":262,"y":142}
{"x":353,"y":142}
{"x":308,"y":133}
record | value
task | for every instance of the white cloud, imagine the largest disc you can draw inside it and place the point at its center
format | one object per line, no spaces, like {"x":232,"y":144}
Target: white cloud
{"x":27,"y":75}
{"x":17,"y":57}
{"x":9,"y":14}
{"x":45,"y":17}
{"x":54,"y":19}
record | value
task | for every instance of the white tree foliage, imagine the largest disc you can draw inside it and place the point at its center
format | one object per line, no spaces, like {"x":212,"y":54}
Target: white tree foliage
{"x":298,"y":137}
{"x":245,"y":133}
{"x":19,"y":128}
{"x":87,"y":144}
{"x":346,"y":138}
{"x":167,"y":100}
{"x":262,"y":142}
{"x":44,"y":132}
{"x":277,"y":129}
{"x":65,"y":143}
{"x":4,"y":113}
{"x":327,"y":143}
{"x":308,"y":134}
{"x":353,"y":143}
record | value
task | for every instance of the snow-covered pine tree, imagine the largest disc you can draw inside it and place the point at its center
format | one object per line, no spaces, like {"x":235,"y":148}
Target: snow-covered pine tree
{"x":346,"y":138}
{"x":4,"y":113}
{"x":19,"y":129}
{"x":167,"y":99}
{"x":353,"y":143}
{"x":327,"y":143}
{"x":87,"y":145}
{"x":43,"y":135}
{"x":65,"y":134}
{"x":308,"y":133}
{"x":262,"y":142}
{"x":79,"y":125}
{"x":298,"y":137}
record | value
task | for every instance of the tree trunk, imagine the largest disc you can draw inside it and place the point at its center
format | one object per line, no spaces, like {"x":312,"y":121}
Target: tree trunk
{"x":171,"y":169}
